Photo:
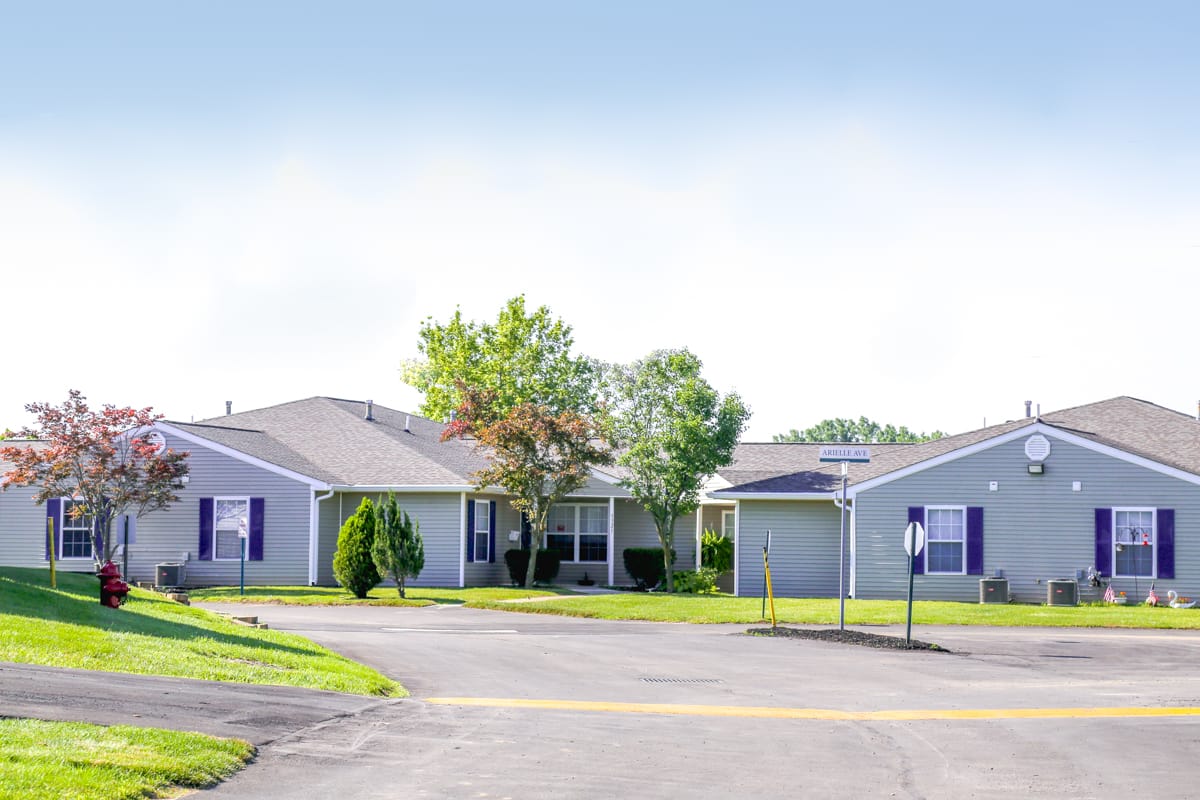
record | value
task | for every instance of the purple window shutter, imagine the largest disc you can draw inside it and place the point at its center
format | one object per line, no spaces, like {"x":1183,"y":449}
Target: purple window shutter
{"x":492,"y":532}
{"x":1104,"y":541}
{"x":470,"y":530}
{"x":54,"y":512}
{"x":917,"y":514}
{"x":205,"y":551}
{"x":1166,"y":543}
{"x":254,"y":547}
{"x":974,"y":540}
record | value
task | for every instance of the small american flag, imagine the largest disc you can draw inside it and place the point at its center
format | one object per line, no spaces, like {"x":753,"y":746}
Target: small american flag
{"x":1109,"y":595}
{"x":1152,"y":598}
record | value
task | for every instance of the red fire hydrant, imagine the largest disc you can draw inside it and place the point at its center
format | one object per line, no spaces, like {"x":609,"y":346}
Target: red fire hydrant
{"x":112,"y":588}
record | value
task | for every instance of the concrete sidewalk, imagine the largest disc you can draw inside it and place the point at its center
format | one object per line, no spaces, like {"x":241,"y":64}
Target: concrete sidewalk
{"x":257,"y":714}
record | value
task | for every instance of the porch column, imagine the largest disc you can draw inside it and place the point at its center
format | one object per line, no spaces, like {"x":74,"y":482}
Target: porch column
{"x":612,"y":543}
{"x":462,"y":540}
{"x":699,"y":527}
{"x":737,"y":545}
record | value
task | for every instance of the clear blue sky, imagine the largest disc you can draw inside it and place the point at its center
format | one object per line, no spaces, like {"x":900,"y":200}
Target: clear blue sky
{"x":921,"y":212}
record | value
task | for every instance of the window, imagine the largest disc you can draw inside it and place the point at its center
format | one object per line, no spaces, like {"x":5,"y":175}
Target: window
{"x":482,"y":529}
{"x":229,"y":514}
{"x":1134,"y":542}
{"x":727,"y":518}
{"x":945,"y":539}
{"x":76,"y":531}
{"x":578,"y":532}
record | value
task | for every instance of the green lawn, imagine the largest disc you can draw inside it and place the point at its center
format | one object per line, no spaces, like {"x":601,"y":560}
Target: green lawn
{"x":747,"y":610}
{"x":90,"y":762}
{"x":151,"y":635}
{"x":337,"y":596}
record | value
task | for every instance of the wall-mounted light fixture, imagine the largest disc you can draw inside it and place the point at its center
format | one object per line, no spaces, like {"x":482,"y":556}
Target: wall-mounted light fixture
{"x":1036,"y":468}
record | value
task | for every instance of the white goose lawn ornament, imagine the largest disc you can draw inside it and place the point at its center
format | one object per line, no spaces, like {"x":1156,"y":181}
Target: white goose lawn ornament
{"x":1175,"y":601}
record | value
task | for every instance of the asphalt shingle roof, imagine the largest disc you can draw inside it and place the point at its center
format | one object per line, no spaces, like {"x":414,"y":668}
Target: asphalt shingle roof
{"x":1126,"y":423}
{"x":330,"y":440}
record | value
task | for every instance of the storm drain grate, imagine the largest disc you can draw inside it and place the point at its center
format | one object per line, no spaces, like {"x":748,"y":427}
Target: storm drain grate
{"x":682,"y":680}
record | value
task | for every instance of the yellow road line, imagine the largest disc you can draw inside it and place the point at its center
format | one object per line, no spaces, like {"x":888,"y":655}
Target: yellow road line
{"x":819,"y":713}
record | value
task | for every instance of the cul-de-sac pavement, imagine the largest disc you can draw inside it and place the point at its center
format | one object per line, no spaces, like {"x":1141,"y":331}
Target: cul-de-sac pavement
{"x":527,"y":706}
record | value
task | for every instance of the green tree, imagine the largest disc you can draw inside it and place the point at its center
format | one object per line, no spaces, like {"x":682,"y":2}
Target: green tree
{"x":398,"y":550}
{"x":674,"y":431}
{"x":862,"y":430}
{"x":536,"y":454}
{"x":353,"y":565}
{"x":521,"y":358}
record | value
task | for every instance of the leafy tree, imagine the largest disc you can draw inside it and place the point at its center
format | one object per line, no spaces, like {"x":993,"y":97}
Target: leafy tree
{"x":537,"y":455}
{"x":861,"y":430}
{"x":398,"y":550}
{"x":353,"y":565}
{"x":674,"y":431}
{"x":109,"y":461}
{"x":521,"y":358}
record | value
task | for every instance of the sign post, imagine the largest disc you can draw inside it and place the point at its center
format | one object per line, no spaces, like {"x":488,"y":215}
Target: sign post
{"x":914,"y":542}
{"x":847,"y":455}
{"x":766,"y":575}
{"x":243,"y":534}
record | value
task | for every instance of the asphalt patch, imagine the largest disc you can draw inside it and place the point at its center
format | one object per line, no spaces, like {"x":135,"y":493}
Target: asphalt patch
{"x":839,"y":636}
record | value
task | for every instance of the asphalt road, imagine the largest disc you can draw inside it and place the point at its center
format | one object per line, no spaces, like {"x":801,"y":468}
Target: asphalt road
{"x":912,"y":725}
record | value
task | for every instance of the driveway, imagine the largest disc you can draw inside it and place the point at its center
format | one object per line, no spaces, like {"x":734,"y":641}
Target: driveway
{"x":527,"y":706}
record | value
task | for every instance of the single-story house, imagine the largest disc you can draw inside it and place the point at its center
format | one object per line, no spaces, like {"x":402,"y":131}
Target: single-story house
{"x":297,"y":471}
{"x":1113,"y":486}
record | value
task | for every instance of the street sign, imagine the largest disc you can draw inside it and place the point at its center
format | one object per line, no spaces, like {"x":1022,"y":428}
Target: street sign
{"x":841,"y":452}
{"x":243,"y":533}
{"x":914,"y":538}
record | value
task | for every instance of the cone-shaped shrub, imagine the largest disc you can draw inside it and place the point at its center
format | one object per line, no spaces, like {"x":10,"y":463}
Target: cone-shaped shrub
{"x":353,"y":565}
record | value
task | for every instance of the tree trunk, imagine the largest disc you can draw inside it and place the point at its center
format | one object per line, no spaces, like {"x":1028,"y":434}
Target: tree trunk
{"x":665,"y":537}
{"x":400,"y":585}
{"x":535,"y":544}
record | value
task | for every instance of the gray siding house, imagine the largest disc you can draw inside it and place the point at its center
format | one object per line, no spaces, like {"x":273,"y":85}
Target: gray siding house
{"x":1112,"y":486}
{"x":297,"y":471}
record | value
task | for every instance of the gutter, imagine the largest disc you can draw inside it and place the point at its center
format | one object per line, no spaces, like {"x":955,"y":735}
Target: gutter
{"x":314,"y":530}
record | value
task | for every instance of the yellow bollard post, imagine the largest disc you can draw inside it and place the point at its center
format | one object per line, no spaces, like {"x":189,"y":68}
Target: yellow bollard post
{"x":770,"y":592}
{"x":50,"y":541}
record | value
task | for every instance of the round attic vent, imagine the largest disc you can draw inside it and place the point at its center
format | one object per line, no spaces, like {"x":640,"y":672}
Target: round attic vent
{"x":1037,"y":447}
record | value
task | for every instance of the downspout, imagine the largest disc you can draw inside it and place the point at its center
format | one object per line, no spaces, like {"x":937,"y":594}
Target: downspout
{"x":612,"y":528}
{"x":314,"y":533}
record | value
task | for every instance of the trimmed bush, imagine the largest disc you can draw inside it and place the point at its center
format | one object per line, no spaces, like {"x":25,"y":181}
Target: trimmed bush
{"x":696,"y":581}
{"x":353,"y":565}
{"x":716,"y":552}
{"x":645,"y":565}
{"x":517,"y":561}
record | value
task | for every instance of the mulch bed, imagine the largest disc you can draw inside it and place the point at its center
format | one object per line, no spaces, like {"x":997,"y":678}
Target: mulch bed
{"x":848,"y":637}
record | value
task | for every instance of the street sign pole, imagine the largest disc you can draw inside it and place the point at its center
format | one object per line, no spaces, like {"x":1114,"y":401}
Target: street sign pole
{"x":766,"y":574}
{"x":243,"y":534}
{"x":914,"y":542}
{"x":842,"y":556}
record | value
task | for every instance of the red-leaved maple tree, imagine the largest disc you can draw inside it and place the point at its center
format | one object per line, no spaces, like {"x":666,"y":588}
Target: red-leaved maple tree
{"x":104,"y":460}
{"x":537,"y":456}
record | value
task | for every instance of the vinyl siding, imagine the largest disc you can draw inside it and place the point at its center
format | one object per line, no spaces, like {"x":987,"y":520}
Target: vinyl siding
{"x":23,"y":533}
{"x":635,"y":528}
{"x":1034,"y":527}
{"x":805,"y":538}
{"x":438,"y":515}
{"x":167,"y":535}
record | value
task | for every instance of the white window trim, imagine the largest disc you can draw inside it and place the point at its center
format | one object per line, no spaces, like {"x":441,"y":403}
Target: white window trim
{"x":1153,"y":540}
{"x":577,"y":533}
{"x":963,"y":541}
{"x":730,"y":515}
{"x":61,"y":535}
{"x":485,"y":533}
{"x":227,"y":498}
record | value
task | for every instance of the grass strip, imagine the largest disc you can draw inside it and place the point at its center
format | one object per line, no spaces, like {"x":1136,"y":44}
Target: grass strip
{"x":150,"y":635}
{"x":748,"y":610}
{"x":92,"y":762}
{"x":337,"y":596}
